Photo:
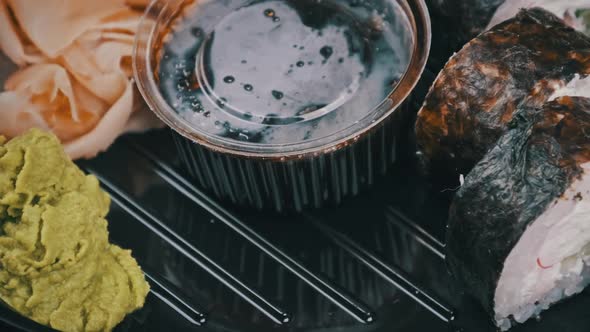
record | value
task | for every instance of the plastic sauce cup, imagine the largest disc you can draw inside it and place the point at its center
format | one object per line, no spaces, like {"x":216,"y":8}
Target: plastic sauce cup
{"x":283,"y":104}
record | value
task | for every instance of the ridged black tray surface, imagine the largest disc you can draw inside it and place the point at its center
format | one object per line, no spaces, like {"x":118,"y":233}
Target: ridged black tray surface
{"x":376,"y":263}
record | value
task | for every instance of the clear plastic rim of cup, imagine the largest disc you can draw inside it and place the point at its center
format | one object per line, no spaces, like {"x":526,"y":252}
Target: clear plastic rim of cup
{"x":419,"y":18}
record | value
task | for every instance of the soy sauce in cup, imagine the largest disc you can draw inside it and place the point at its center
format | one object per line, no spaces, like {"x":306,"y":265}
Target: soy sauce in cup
{"x":264,"y":86}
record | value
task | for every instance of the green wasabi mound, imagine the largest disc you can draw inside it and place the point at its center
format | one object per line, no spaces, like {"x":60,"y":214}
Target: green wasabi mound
{"x":57,"y":266}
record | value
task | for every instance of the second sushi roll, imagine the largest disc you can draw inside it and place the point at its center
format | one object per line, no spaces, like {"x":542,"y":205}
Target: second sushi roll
{"x":518,"y":237}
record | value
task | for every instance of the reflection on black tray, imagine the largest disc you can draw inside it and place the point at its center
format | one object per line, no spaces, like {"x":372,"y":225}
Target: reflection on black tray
{"x":374,"y":264}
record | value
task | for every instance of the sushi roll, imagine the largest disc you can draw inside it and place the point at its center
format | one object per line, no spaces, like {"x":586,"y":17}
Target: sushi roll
{"x":518,"y":238}
{"x":521,"y":62}
{"x":571,"y":11}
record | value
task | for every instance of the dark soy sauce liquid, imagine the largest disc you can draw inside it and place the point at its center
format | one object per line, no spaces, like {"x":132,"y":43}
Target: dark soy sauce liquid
{"x":279,"y":71}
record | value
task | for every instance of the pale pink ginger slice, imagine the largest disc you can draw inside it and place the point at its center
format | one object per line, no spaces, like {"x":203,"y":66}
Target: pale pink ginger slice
{"x":100,"y":59}
{"x":111,"y":125}
{"x":138,"y":3}
{"x":52,"y":25}
{"x":13,"y":42}
{"x":141,"y":117}
{"x":46,"y":96}
{"x":85,"y":97}
{"x":42,"y":96}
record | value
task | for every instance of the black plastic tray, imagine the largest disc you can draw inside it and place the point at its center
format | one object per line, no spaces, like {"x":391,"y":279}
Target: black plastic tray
{"x":375,"y":263}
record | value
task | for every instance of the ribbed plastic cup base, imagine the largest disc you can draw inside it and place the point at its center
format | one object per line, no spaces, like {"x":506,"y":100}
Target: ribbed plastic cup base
{"x":296,"y":184}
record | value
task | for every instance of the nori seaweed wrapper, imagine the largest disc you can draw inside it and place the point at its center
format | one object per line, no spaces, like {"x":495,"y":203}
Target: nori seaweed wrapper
{"x":531,"y":166}
{"x":520,"y":62}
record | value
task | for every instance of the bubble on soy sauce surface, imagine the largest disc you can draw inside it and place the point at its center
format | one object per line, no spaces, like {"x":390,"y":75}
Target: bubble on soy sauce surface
{"x":277,"y":94}
{"x":221,"y":102}
{"x":269,"y":13}
{"x":326,"y":52}
{"x":197,"y":32}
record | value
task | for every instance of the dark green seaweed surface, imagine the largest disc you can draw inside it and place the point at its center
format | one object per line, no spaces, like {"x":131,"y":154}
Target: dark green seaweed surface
{"x":529,"y":167}
{"x":520,"y":61}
